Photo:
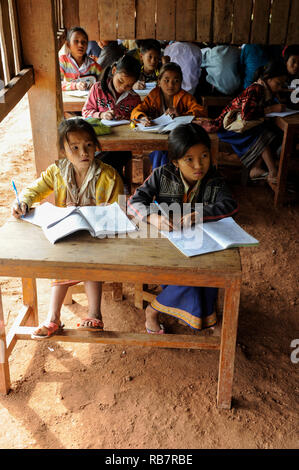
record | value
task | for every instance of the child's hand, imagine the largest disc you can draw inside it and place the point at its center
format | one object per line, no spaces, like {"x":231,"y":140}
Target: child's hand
{"x":109,"y":115}
{"x":160,"y":221}
{"x":139,"y":85}
{"x":190,"y":219}
{"x":172,"y":112}
{"x":81,"y":86}
{"x":145,"y":121}
{"x":19,"y":210}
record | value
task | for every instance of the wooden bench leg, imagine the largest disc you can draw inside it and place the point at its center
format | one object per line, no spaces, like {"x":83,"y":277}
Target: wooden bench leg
{"x":228,"y":344}
{"x":4,"y":366}
{"x":30,"y":299}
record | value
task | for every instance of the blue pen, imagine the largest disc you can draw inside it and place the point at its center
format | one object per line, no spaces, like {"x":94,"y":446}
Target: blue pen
{"x":161,"y":210}
{"x":15,"y":190}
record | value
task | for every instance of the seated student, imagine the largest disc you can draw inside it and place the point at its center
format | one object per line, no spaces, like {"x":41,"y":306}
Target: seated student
{"x":113,"y":98}
{"x":93,"y":50}
{"x":253,"y":146}
{"x":252,"y":57}
{"x":188,"y":177}
{"x":167,"y":97}
{"x":188,"y":56}
{"x":220,"y":71}
{"x":78,"y":178}
{"x":77,"y":70}
{"x":111,"y":51}
{"x":290,"y":55}
{"x":150,"y":54}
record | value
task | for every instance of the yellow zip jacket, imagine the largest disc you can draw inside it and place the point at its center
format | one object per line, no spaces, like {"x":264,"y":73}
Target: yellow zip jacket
{"x":105,"y":184}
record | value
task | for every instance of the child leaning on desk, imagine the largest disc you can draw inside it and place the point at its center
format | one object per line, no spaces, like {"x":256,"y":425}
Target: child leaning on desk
{"x":150,"y":55}
{"x":189,"y":177}
{"x":167,"y":97}
{"x":78,"y":178}
{"x":113,"y":98}
{"x":78,"y":71}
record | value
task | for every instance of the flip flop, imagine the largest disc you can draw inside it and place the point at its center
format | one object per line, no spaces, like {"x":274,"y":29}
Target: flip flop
{"x":263,"y":176}
{"x":97,"y":324}
{"x":159,"y":332}
{"x":52,"y":329}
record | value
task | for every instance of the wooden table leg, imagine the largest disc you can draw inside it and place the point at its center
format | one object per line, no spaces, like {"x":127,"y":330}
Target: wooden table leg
{"x":285,"y":155}
{"x":4,"y":367}
{"x":30,"y":299}
{"x":228,"y":344}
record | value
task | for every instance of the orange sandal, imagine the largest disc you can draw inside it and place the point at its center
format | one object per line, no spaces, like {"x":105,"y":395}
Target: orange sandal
{"x":52,"y":329}
{"x":96,"y":324}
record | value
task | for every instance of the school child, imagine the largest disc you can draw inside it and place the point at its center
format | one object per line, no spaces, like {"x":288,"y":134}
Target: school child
{"x":113,"y":98}
{"x":189,"y":177}
{"x":167,"y":97}
{"x":253,"y":146}
{"x":150,"y":54}
{"x":291,"y":57}
{"x":78,"y":71}
{"x":80,"y":179}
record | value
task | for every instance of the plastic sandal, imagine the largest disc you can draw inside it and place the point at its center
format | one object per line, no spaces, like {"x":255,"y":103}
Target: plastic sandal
{"x":97,"y":324}
{"x":52,"y":329}
{"x":159,"y":332}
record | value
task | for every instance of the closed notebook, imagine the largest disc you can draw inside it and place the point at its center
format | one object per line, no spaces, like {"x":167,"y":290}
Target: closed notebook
{"x":209,"y":237}
{"x":99,"y":221}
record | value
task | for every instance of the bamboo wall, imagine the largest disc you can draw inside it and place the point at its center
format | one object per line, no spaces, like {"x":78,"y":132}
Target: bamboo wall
{"x":211,"y":21}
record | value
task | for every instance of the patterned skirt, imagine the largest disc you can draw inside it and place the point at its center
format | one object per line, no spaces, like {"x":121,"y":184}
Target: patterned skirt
{"x":195,"y":306}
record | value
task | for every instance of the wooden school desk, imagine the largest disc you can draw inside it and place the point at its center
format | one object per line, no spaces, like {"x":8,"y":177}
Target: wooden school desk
{"x":72,"y":103}
{"x":141,"y":143}
{"x":290,"y":127}
{"x":26,"y":253}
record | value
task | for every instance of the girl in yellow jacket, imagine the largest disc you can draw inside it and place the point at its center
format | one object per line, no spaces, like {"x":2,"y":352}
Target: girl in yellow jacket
{"x":79,"y":178}
{"x":167,"y":97}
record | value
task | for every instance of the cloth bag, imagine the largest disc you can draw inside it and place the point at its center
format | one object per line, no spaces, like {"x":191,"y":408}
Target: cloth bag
{"x":233,"y":122}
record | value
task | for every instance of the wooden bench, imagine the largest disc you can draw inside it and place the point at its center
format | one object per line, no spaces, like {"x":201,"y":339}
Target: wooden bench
{"x":26,"y":253}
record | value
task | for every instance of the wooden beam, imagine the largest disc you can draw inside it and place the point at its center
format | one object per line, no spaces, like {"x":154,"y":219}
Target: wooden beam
{"x":6,"y":40}
{"x":260,"y":22}
{"x":145,"y":19}
{"x":165,"y":27}
{"x":107,"y":19}
{"x":241,"y":21}
{"x":70,"y":10}
{"x":204,"y":21}
{"x":15,"y":36}
{"x":130,"y":339}
{"x":293,"y":29}
{"x":39,"y":44}
{"x":279,"y":21}
{"x":126,"y":19}
{"x":223,"y":10}
{"x":15,"y":90}
{"x":88,"y":18}
{"x":4,"y":367}
{"x":185,"y":27}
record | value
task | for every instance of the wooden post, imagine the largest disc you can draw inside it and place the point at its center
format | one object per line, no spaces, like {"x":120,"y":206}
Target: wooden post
{"x":228,"y":344}
{"x":30,"y":299}
{"x":4,"y":367}
{"x":40,"y":49}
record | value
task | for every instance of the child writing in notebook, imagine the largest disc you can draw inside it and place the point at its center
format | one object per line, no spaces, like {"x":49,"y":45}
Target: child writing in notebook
{"x":78,"y":178}
{"x":113,"y":98}
{"x":254,"y":145}
{"x":150,"y":54}
{"x":167,"y":97}
{"x":77,"y":70}
{"x":189,"y":177}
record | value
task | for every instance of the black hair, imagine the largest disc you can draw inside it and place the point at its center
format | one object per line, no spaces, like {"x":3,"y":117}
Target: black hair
{"x":128,"y":65}
{"x":170,"y":66}
{"x":184,"y":137}
{"x":75,"y":125}
{"x":76,"y":29}
{"x":150,"y":44}
{"x":272,"y":69}
{"x":289,"y":51}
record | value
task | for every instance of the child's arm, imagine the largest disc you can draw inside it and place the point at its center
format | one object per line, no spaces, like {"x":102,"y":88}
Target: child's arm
{"x":143,"y":109}
{"x":90,"y":108}
{"x":192,"y":107}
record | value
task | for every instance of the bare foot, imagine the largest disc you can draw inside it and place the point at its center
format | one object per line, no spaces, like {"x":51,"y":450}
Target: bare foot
{"x":257,"y":173}
{"x":151,"y":319}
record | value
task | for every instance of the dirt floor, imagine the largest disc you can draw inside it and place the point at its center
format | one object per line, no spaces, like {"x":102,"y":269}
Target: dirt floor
{"x":80,"y":396}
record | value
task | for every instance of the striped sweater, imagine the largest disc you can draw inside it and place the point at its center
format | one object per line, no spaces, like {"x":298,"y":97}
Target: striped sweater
{"x":70,"y":72}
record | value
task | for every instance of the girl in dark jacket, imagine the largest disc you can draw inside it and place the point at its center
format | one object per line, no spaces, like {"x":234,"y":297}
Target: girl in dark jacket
{"x":189,"y":177}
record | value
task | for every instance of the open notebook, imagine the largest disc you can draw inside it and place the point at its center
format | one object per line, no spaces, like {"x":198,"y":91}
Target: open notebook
{"x":209,"y":237}
{"x":99,"y":221}
{"x":165,"y":123}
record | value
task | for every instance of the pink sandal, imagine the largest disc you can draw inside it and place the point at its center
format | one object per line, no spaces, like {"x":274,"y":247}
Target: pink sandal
{"x":158,"y":332}
{"x":52,"y":329}
{"x":96,"y":324}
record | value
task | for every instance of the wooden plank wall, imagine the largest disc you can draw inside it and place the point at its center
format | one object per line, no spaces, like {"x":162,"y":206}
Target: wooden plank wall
{"x":210,"y":21}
